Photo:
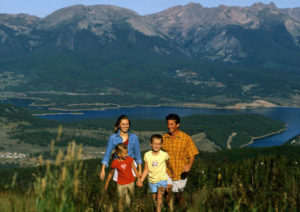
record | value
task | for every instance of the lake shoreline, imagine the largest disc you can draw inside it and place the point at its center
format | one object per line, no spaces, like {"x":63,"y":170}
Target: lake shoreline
{"x":253,"y":139}
{"x":197,"y":106}
{"x":100,"y":106}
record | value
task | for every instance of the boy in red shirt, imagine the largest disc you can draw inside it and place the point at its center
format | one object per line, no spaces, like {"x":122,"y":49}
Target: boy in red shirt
{"x":125,"y":182}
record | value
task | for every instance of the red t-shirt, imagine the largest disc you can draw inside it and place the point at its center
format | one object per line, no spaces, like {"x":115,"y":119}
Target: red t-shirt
{"x":124,"y":168}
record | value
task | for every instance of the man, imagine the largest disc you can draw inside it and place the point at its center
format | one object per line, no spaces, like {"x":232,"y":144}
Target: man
{"x":182,"y":151}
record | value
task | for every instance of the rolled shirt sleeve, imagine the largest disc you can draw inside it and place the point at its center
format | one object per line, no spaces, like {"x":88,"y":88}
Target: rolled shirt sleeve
{"x":108,"y":151}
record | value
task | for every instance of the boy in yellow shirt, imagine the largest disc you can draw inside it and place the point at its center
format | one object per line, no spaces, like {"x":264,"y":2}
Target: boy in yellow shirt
{"x":156,"y":162}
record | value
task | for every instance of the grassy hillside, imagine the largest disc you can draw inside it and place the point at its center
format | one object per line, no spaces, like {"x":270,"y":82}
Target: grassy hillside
{"x":139,"y":78}
{"x":236,"y":180}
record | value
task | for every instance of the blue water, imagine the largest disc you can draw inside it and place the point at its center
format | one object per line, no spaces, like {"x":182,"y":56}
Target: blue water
{"x":291,"y":116}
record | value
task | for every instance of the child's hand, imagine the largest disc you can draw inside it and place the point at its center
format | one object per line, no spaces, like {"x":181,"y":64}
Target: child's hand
{"x":139,"y":183}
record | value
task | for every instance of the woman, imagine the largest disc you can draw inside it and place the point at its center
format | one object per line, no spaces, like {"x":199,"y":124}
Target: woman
{"x":122,"y":135}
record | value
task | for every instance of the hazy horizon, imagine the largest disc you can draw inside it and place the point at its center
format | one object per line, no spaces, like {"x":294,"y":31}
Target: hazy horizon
{"x":142,"y":7}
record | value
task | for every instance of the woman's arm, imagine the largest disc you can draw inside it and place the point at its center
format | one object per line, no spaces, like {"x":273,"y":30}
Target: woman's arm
{"x":108,"y":151}
{"x":137,"y":154}
{"x":102,"y":173}
{"x":109,"y":178}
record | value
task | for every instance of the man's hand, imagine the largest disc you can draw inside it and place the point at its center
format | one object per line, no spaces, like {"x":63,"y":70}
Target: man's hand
{"x":186,"y":168}
{"x":172,"y":174}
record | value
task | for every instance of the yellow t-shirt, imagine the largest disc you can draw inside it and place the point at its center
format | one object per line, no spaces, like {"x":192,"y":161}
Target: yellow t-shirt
{"x":156,"y":166}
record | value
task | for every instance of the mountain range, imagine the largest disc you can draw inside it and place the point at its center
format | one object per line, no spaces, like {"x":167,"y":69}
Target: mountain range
{"x":105,"y":54}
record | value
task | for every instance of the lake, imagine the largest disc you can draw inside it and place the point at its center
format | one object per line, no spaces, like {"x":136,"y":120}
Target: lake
{"x":288,"y":115}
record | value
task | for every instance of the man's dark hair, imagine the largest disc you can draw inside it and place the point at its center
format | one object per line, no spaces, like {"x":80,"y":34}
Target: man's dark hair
{"x":174,"y":117}
{"x":156,"y":136}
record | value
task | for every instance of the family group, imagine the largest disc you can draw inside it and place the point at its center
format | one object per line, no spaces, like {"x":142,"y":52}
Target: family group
{"x":166,"y":165}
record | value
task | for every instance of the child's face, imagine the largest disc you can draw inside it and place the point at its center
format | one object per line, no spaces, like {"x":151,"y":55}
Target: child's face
{"x":123,"y":154}
{"x":156,"y":144}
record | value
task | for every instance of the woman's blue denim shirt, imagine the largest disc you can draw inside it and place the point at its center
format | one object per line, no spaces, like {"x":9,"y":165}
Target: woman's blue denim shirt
{"x":133,"y":147}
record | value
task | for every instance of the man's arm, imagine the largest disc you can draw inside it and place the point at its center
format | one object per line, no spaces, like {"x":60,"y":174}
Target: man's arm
{"x":188,"y":167}
{"x":192,"y":151}
{"x":170,"y":167}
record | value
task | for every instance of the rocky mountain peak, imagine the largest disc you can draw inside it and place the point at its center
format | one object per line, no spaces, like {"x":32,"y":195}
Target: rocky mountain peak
{"x":18,"y":19}
{"x":193,"y":28}
{"x":260,"y":6}
{"x":193,"y":5}
{"x":293,"y":12}
{"x":91,"y":14}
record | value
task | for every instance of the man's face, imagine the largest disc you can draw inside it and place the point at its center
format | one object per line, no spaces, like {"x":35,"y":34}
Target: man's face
{"x":172,"y":126}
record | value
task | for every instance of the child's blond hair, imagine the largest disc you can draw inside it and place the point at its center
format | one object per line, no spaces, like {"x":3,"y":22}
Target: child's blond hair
{"x":118,"y":149}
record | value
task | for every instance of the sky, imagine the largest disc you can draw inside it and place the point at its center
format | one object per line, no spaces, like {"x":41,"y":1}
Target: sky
{"x":43,"y":8}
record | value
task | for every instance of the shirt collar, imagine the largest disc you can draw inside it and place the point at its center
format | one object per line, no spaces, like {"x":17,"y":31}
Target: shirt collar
{"x":177,"y":135}
{"x":118,"y":133}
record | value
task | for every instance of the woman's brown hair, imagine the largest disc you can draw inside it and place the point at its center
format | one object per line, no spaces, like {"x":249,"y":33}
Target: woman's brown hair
{"x":117,"y":124}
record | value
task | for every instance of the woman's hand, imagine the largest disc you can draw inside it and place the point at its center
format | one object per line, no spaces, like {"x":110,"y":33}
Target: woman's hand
{"x":102,"y":174}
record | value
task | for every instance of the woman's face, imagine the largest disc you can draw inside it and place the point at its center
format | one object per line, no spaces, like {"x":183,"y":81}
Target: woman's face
{"x":124,"y":125}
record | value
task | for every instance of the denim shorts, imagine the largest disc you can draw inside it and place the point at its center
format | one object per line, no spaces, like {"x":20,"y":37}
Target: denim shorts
{"x":154,"y":186}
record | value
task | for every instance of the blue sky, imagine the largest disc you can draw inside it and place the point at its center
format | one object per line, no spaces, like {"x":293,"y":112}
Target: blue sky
{"x":42,"y":8}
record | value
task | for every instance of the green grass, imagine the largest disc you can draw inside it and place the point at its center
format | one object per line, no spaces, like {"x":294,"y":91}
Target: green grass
{"x":234,"y":180}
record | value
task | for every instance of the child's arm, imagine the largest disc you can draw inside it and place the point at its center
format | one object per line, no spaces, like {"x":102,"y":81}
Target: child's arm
{"x":170,"y":167}
{"x":109,"y":176}
{"x":138,"y":183}
{"x":145,"y":172}
{"x":135,"y":171}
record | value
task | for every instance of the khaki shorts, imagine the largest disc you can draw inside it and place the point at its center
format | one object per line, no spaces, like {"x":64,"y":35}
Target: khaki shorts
{"x":125,"y":192}
{"x":177,"y":185}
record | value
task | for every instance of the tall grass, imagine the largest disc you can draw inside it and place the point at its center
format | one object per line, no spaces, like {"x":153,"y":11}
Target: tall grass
{"x":264,"y":183}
